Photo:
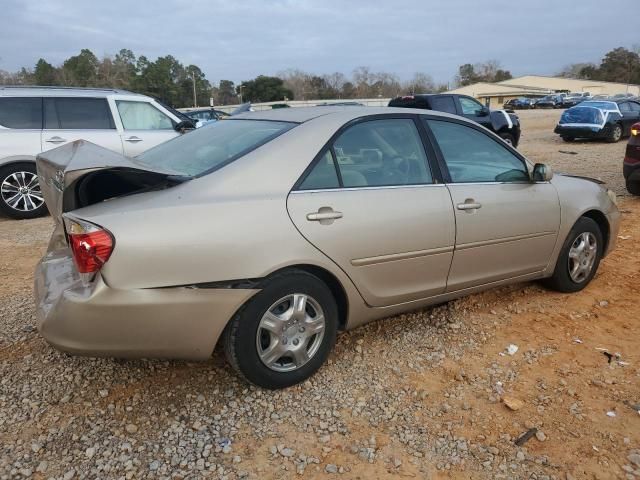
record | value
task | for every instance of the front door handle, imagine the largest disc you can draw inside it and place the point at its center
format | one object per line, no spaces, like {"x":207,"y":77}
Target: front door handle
{"x":56,"y":139}
{"x":133,"y":139}
{"x":324,"y":215}
{"x":469,"y":204}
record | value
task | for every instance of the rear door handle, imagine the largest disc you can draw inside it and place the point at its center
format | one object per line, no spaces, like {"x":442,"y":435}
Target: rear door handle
{"x":133,"y":139}
{"x":324,"y":215}
{"x":56,"y":139}
{"x":469,"y":205}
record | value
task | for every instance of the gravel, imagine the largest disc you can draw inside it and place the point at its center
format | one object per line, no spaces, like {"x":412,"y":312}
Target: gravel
{"x":392,"y":399}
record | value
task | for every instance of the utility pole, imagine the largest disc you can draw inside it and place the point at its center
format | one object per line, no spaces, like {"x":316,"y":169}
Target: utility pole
{"x":240,"y":87}
{"x":195,"y":100}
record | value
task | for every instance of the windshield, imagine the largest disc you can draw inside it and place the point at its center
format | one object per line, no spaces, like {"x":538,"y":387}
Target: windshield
{"x":609,"y":106}
{"x":581,"y":114}
{"x":212,"y":146}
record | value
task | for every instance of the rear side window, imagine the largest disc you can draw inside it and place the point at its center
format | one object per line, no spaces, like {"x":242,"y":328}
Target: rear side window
{"x":142,"y":116}
{"x":443,"y":104}
{"x":78,"y":114}
{"x":21,"y":112}
{"x":323,"y":175}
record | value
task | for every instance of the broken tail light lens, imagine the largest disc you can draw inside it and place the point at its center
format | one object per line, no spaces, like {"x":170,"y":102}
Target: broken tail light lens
{"x":90,"y":245}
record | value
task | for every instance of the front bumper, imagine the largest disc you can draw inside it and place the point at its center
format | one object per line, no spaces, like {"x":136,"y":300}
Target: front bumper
{"x":176,"y":322}
{"x":613,"y":217}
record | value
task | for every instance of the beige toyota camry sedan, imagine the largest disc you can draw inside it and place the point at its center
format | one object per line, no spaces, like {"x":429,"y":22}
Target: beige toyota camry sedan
{"x":271,"y":231}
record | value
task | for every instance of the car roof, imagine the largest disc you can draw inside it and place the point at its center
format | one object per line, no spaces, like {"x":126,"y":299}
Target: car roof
{"x":304,"y":114}
{"x":38,"y":91}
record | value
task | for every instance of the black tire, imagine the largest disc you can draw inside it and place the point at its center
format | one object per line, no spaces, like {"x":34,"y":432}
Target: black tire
{"x":568,"y":139}
{"x":616,"y":134}
{"x":561,"y":280}
{"x":17,"y":212}
{"x":240,"y":338}
{"x":508,"y":138}
{"x":633,"y":187}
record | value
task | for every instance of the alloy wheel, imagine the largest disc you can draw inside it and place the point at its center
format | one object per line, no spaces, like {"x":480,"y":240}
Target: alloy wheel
{"x":21,"y":191}
{"x":290,"y":332}
{"x":582,"y":256}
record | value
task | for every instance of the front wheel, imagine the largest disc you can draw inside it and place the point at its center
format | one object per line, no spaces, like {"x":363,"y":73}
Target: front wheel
{"x":616,"y":134}
{"x":508,"y":138}
{"x":284,"y":333}
{"x":579,"y":258}
{"x":20,"y":194}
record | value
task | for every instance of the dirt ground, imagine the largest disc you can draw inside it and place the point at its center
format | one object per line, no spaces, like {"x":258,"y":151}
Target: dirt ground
{"x":430,"y":416}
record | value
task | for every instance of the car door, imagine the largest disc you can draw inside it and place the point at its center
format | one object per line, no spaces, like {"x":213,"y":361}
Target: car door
{"x":474,"y":110}
{"x":630,"y":115}
{"x":369,"y":202}
{"x":506,"y":225}
{"x":79,"y":118}
{"x":144,"y":125}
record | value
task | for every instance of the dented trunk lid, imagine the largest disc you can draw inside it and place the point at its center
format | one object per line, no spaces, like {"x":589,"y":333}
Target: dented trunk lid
{"x":82,"y":173}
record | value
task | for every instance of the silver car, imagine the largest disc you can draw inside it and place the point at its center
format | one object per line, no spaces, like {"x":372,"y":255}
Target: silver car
{"x":35,"y":119}
{"x":270,"y":231}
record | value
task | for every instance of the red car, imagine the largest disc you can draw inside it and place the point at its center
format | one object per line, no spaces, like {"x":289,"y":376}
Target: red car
{"x":631,"y":167}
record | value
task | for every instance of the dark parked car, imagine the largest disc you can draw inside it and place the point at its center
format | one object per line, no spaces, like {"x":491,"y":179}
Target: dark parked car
{"x":631,"y":166}
{"x":550,"y":101}
{"x":521,"y":103}
{"x":607,"y":120}
{"x":504,"y":124}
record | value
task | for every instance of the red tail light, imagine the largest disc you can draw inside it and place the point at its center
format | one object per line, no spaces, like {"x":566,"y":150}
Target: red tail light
{"x":635,"y":129}
{"x":90,"y":244}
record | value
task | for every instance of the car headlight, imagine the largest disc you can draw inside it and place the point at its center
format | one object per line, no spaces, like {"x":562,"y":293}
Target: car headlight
{"x":612,"y":195}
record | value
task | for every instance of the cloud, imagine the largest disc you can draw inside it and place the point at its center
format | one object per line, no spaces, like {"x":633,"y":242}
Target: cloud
{"x":239,"y":39}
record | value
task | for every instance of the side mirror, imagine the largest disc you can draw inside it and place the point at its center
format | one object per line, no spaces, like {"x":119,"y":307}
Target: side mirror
{"x":542,"y":173}
{"x":184,"y":125}
{"x":483,"y":112}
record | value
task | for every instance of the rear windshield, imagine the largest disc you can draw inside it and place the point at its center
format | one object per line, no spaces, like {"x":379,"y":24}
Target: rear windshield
{"x":213,"y":146}
{"x":582,"y":115}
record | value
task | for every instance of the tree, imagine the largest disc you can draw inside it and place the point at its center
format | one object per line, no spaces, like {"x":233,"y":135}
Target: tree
{"x":489,"y":71}
{"x":226,"y":94}
{"x":81,"y":70}
{"x":264,"y":89}
{"x":620,"y":65}
{"x":575,"y":70}
{"x":44,"y":73}
{"x":420,"y":83}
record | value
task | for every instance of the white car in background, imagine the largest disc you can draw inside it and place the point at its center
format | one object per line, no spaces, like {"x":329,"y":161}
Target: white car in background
{"x":36,"y":119}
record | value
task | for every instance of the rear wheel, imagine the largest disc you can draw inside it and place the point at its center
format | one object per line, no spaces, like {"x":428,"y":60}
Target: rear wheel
{"x":616,"y":134}
{"x":284,"y":333}
{"x":20,"y":194}
{"x":633,"y":187}
{"x":579,"y":258}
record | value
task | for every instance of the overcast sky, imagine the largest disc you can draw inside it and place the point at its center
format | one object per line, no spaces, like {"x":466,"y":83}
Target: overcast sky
{"x":239,"y":39}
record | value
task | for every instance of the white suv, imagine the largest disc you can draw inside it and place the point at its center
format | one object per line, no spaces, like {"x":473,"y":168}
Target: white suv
{"x":35,"y":119}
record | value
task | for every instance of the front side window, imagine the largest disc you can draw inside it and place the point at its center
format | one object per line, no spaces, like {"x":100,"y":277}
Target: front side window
{"x":213,"y":146}
{"x":77,"y":113}
{"x":21,"y":112}
{"x":472,"y":156}
{"x":142,"y":116}
{"x":470,"y":107}
{"x":635,"y":107}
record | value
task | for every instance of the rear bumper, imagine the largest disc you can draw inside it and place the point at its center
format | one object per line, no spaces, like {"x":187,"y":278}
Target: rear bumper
{"x":586,"y":132}
{"x":98,"y":320}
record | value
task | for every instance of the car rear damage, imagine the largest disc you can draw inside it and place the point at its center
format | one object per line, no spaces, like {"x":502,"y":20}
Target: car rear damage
{"x":77,"y":310}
